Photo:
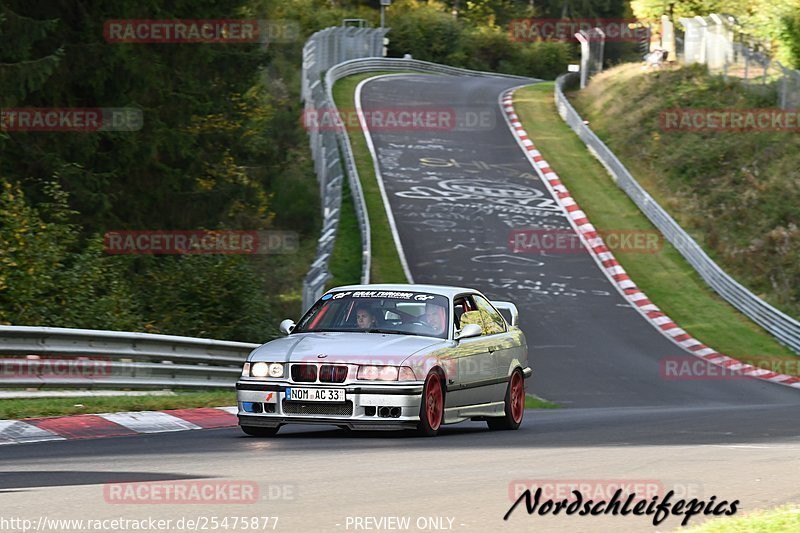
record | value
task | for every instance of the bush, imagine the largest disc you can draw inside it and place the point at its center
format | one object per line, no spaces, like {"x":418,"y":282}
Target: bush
{"x":544,"y":60}
{"x":424,"y":32}
{"x":43,"y":281}
{"x":214,"y":296}
{"x":432,"y":35}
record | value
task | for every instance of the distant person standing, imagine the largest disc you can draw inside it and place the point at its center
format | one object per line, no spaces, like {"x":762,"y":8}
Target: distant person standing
{"x":656,"y":58}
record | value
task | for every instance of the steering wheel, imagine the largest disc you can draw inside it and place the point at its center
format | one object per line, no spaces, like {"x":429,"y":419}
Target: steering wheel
{"x":419,"y":326}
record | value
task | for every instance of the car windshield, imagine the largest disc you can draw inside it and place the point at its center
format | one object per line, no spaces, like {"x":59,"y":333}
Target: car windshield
{"x":395,"y":312}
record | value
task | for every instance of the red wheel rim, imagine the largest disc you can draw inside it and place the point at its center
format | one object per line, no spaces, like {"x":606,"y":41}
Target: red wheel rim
{"x":434,"y":402}
{"x":517,"y":397}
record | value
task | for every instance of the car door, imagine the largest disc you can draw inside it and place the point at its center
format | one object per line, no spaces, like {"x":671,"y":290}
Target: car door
{"x":501,"y":344}
{"x":475,"y":362}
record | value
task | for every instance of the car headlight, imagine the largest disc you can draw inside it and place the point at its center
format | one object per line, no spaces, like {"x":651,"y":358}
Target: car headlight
{"x":246,"y":370}
{"x":407,"y":374}
{"x":262,"y":370}
{"x":259,"y":370}
{"x":276,"y":370}
{"x":377,"y":373}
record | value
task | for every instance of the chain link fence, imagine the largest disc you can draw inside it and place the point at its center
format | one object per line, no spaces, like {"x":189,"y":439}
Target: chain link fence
{"x":713,"y":41}
{"x":324,"y":49}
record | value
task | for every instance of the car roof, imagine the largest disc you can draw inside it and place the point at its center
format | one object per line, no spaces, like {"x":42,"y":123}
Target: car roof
{"x":444,"y":290}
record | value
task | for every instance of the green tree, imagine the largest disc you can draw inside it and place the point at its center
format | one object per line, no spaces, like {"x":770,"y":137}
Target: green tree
{"x":23,"y":69}
{"x":42,"y":280}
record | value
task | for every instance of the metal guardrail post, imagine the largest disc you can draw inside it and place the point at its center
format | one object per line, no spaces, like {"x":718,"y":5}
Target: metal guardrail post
{"x":592,"y":45}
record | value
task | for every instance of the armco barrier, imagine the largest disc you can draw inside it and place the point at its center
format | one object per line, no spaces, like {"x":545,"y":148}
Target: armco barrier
{"x":783,"y":327}
{"x":64,"y":357}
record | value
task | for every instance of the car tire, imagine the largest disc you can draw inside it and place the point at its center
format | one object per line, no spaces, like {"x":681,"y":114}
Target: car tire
{"x":257,"y":431}
{"x":431,"y":409}
{"x":514,"y":405}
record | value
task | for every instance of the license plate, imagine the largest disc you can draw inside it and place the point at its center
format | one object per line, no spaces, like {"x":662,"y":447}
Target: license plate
{"x":315,"y":395}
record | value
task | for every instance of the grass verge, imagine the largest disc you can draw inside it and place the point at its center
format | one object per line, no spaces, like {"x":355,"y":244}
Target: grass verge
{"x":386,"y":266}
{"x":666,"y":278}
{"x":36,"y":407}
{"x":786,"y":518}
{"x":534,"y":402}
{"x":345,"y":262}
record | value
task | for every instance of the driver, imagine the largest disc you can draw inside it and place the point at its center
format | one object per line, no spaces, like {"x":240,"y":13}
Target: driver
{"x":435,"y":317}
{"x":365,"y":318}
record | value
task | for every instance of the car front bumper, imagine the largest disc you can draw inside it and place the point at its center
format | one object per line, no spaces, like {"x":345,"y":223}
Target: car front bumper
{"x":263,"y":404}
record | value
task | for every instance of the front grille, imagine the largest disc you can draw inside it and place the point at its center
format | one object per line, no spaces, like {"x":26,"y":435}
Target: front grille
{"x":304,"y":373}
{"x":332,"y":374}
{"x":318,"y":408}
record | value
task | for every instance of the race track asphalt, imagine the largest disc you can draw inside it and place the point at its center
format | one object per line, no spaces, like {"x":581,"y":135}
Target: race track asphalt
{"x":458,"y":195}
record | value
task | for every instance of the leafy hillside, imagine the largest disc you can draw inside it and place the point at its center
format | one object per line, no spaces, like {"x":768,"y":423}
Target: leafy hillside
{"x":737,"y":192}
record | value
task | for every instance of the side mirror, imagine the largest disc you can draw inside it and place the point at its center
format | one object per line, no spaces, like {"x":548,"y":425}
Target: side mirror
{"x":469,"y":330}
{"x":287,"y":326}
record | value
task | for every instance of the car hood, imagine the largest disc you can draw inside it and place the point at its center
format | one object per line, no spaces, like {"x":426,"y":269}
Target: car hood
{"x":343,"y":347}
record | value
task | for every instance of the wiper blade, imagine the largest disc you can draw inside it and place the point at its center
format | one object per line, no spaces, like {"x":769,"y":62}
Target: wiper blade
{"x":370,"y":330}
{"x":389,"y":331}
{"x":395,"y":332}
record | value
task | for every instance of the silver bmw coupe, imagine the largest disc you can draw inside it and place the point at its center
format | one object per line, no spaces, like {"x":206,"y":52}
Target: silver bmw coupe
{"x":390,"y":357}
